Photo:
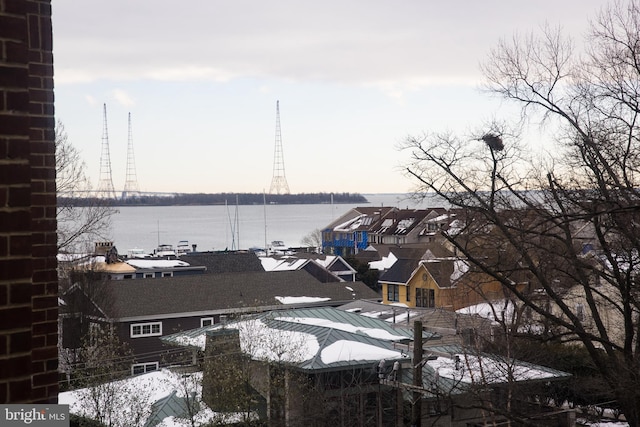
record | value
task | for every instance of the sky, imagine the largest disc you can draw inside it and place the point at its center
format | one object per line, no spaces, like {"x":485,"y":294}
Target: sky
{"x":353,"y":79}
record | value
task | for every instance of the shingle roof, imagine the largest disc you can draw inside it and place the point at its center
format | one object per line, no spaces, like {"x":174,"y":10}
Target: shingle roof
{"x":224,"y":262}
{"x":226,"y":291}
{"x":400,"y":271}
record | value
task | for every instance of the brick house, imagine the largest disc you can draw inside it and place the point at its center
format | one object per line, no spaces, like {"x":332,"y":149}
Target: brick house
{"x":28,"y":279}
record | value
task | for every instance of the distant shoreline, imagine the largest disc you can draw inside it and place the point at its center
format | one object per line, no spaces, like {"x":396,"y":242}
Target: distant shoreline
{"x":204,"y":199}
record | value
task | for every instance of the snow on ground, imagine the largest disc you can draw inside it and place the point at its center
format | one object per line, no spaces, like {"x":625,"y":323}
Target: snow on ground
{"x":347,"y":327}
{"x":300,"y":300}
{"x":347,"y":351}
{"x":602,"y":423}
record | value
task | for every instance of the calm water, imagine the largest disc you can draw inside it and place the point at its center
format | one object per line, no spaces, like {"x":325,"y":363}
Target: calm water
{"x":241,"y":227}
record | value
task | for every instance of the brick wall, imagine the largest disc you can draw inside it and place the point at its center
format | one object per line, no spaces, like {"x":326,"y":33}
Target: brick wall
{"x":28,"y":279}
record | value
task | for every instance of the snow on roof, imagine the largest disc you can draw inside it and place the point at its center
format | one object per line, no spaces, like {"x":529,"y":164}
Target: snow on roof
{"x":326,"y":261}
{"x":501,"y":310}
{"x":346,"y":351}
{"x":385,"y":263}
{"x":156,"y":263}
{"x":285,"y":264}
{"x":265,"y":343}
{"x":460,"y":267}
{"x":155,"y":385}
{"x":347,"y":327}
{"x":351,"y":224}
{"x":300,"y":300}
{"x":479,"y":369}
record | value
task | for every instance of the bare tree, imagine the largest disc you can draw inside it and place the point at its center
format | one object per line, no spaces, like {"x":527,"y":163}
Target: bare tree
{"x":105,"y":395}
{"x":313,"y":240}
{"x":78,"y":224}
{"x":564,"y":228}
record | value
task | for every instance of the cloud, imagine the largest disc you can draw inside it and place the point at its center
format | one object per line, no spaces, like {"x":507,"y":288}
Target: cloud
{"x":122,"y":98}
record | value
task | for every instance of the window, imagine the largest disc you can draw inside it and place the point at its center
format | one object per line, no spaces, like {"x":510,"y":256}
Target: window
{"x":425,"y":298}
{"x":392,"y":292}
{"x":148,"y":276}
{"x":143,"y":368}
{"x":167,"y":274}
{"x":128,"y":276}
{"x":206,"y":321}
{"x":146,"y":329}
{"x":580,"y":312}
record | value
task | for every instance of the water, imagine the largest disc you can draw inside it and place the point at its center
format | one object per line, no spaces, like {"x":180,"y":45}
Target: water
{"x":231,"y":227}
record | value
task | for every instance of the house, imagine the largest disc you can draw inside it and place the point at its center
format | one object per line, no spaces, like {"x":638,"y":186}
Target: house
{"x":324,"y":366}
{"x":411,"y":226}
{"x":315,"y":366}
{"x":436,"y":281}
{"x":463,"y":328}
{"x":350,"y":233}
{"x":326,"y":268}
{"x":142,"y":311}
{"x":360,"y":227}
{"x":460,"y":387}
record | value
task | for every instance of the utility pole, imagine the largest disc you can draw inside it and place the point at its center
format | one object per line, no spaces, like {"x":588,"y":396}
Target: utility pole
{"x":416,"y":407}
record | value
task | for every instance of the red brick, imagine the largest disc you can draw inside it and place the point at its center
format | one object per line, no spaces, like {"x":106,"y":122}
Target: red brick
{"x":15,"y":317}
{"x":18,"y":244}
{"x":20,"y":342}
{"x":15,"y":269}
{"x":18,"y":148}
{"x":44,"y":379}
{"x":20,"y":293}
{"x":9,"y":367}
{"x":45,"y":353}
{"x":19,"y":197}
{"x":20,"y":390}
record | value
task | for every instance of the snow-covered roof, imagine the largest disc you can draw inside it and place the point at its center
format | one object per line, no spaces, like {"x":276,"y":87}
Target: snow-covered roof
{"x":300,"y":300}
{"x":147,"y":391}
{"x":385,"y":263}
{"x":454,"y":370}
{"x":312,"y":339}
{"x":497,"y":311}
{"x":156,"y":263}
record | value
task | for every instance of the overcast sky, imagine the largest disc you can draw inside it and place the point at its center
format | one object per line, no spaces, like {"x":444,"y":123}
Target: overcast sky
{"x":354,"y":78}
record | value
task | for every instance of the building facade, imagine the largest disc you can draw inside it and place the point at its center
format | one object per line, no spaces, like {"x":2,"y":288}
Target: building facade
{"x":28,"y":243}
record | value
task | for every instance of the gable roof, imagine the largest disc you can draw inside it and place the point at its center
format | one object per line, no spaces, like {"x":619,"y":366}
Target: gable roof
{"x":400,"y":272}
{"x":223,"y":293}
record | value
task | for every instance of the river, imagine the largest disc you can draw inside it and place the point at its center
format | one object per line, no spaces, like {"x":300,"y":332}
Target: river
{"x":233,"y":227}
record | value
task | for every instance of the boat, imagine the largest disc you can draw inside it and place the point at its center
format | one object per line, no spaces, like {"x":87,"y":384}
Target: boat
{"x":277,"y":247}
{"x":183,"y":248}
{"x":164,"y":250}
{"x":137,"y":253}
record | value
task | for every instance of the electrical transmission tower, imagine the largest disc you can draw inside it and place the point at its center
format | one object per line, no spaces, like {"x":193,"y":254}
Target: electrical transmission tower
{"x":279,"y":181}
{"x":131,"y":182}
{"x":105,"y":184}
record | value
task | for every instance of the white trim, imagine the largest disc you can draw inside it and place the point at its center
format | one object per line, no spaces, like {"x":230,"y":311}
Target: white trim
{"x":141,"y":326}
{"x":205,"y":319}
{"x":155,"y":365}
{"x":148,"y":275}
